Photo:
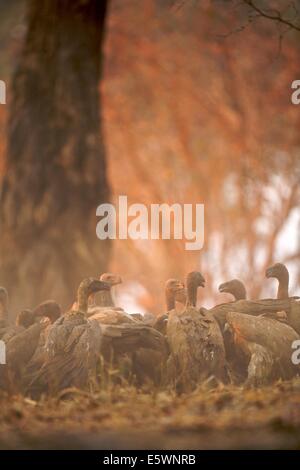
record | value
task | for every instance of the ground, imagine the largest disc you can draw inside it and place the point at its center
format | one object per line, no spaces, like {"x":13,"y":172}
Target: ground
{"x":124,"y":418}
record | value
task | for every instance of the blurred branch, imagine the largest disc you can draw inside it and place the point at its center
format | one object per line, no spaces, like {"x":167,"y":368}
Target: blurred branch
{"x":273,"y":15}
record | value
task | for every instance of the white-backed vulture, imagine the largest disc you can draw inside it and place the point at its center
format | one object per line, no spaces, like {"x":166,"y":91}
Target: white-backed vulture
{"x":23,"y":344}
{"x":264,"y":346}
{"x":174,"y":291}
{"x":195,"y":340}
{"x":72,"y":347}
{"x":105,"y":311}
{"x":24,"y":320}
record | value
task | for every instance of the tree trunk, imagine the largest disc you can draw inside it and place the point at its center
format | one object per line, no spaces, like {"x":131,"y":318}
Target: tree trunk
{"x":56,"y":169}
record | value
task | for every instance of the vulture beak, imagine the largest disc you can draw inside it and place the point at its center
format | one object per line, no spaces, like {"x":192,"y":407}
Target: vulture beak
{"x":223,"y":287}
{"x":269,"y":272}
{"x":97,"y":286}
{"x":112,"y":279}
{"x":202,"y":282}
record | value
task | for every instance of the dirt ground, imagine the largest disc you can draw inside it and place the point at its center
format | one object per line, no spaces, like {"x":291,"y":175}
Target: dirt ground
{"x":125,"y":418}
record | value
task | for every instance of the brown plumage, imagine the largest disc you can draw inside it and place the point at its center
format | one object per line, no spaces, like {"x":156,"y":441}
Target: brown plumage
{"x":47,"y":310}
{"x":266,"y":307}
{"x":149,"y":364}
{"x":106,"y":298}
{"x":142,"y":348}
{"x":103,"y":298}
{"x":174,"y":291}
{"x":121,"y":347}
{"x":105,"y":311}
{"x":280,"y":272}
{"x":133,"y":348}
{"x":196,"y":342}
{"x":264,"y":346}
{"x":108,"y":316}
{"x":234,"y":287}
{"x":27,"y":317}
{"x":23,"y":321}
{"x":72,"y":347}
{"x":22,"y":346}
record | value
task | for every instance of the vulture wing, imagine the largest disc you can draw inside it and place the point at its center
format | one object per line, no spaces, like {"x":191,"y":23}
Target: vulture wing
{"x":197,"y":347}
{"x":275,"y":336}
{"x":72,"y":351}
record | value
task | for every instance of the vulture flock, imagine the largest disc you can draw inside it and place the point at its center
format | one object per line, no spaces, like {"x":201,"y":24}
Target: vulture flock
{"x":241,"y":342}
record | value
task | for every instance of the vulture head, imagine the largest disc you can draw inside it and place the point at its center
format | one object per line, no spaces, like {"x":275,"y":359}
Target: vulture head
{"x":49,"y":309}
{"x":280,"y":272}
{"x":106,"y":298}
{"x":88,"y":287}
{"x":193,"y":281}
{"x":25,"y":318}
{"x":173,"y":287}
{"x":92,"y":285}
{"x":111,"y":279}
{"x":235,"y":288}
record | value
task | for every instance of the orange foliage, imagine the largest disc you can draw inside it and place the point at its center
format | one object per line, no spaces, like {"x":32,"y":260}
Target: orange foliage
{"x":194,"y":114}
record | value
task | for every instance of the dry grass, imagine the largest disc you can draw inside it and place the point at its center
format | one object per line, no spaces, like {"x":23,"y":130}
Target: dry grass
{"x":125,"y":418}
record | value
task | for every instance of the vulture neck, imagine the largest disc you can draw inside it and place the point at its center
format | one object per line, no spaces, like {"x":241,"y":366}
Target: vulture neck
{"x":47,"y":309}
{"x":82,"y":300}
{"x":191,"y":294}
{"x":283,"y":287}
{"x":170,"y":300}
{"x":239,"y":294}
{"x":105,"y":298}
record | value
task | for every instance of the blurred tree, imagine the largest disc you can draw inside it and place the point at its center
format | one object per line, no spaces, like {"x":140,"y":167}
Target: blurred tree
{"x":196,"y":108}
{"x":208,"y":105}
{"x":56,"y":169}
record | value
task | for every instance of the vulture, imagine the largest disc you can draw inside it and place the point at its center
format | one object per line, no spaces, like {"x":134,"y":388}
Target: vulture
{"x":130,"y":344}
{"x":49,"y":310}
{"x":105,"y":311}
{"x":72,"y":347}
{"x":174,"y":291}
{"x":263,"y":346}
{"x":195,"y":341}
{"x":106,"y":298}
{"x":3,"y":307}
{"x":149,"y":364}
{"x":24,"y":320}
{"x":23,"y":342}
{"x":149,"y":359}
{"x":130,"y":348}
{"x":27,"y":317}
{"x":280,"y":272}
{"x":234,"y":287}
